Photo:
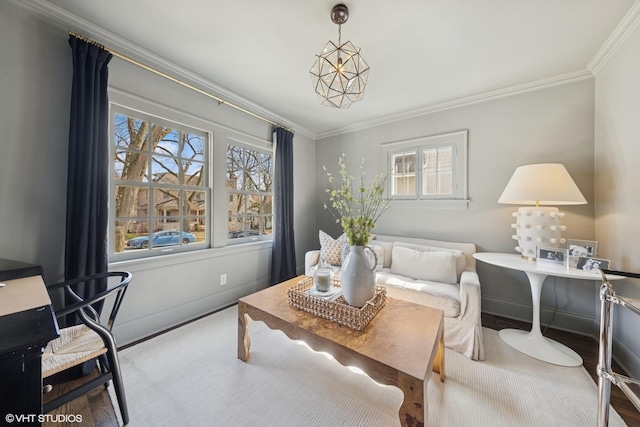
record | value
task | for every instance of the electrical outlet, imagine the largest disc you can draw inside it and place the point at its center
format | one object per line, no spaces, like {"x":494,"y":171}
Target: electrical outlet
{"x":223,"y":279}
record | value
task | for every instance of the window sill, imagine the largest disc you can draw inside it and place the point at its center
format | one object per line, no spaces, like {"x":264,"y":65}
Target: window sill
{"x":190,"y":256}
{"x":431,"y":204}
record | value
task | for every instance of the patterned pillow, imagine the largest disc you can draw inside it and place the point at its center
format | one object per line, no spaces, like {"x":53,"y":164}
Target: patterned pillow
{"x":331,"y":249}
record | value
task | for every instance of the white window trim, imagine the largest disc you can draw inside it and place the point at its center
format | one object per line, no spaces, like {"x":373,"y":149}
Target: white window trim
{"x":458,"y":141}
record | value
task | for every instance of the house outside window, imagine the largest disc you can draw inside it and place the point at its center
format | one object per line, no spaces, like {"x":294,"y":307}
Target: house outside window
{"x":432,"y":168}
{"x":159,"y":192}
{"x":250,"y":190}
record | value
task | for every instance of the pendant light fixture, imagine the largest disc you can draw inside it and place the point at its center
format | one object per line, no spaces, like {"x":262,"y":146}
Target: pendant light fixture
{"x":339,"y":74}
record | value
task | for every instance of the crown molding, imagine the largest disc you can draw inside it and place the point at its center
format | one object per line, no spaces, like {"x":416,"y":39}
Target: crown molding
{"x":561,"y":79}
{"x":628,"y":24}
{"x":71,"y":22}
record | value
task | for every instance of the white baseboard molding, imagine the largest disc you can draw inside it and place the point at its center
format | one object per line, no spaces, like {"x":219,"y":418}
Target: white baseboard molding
{"x":140,"y":328}
{"x":563,"y":320}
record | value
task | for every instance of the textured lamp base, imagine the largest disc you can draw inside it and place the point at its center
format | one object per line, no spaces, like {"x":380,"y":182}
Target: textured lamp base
{"x":537,"y":226}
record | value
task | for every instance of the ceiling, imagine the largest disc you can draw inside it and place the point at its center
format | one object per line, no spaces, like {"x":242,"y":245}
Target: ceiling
{"x":423,"y":54}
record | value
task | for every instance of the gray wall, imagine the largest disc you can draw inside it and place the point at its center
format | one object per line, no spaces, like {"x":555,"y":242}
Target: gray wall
{"x":549,"y":125}
{"x":35,"y":91}
{"x":617,"y":177}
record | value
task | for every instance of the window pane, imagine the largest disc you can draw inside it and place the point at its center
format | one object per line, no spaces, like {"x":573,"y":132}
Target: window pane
{"x":444,"y":158}
{"x":409,"y":162}
{"x":236,"y":203}
{"x":268,"y":224}
{"x":249,"y":182}
{"x":192,"y":147}
{"x":168,"y":140}
{"x":236,"y":226}
{"x":253,"y":225}
{"x":235,"y":176}
{"x":166,"y":202}
{"x":430,"y":183}
{"x":403,"y":177}
{"x":165,"y":169}
{"x":445,"y":183}
{"x":196,"y":203}
{"x":193,"y":171}
{"x":130,"y":132}
{"x":430,"y":160}
{"x":437,"y":177}
{"x":253,"y":204}
{"x":267,"y":205}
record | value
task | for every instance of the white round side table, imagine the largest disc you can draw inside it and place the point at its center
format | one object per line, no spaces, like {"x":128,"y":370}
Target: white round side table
{"x":533,"y":343}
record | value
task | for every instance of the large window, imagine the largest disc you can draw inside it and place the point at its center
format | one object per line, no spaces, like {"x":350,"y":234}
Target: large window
{"x":249,"y":187}
{"x":159,"y":201}
{"x":429,"y":168}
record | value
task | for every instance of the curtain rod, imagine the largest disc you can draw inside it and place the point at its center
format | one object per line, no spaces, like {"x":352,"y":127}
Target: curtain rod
{"x":219,"y":100}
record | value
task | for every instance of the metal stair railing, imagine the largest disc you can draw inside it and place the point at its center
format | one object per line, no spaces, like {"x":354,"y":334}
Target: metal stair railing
{"x":606,"y":376}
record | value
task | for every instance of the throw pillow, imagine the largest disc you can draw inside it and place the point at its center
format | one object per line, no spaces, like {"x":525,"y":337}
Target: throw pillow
{"x":433,"y":266}
{"x":331,"y":249}
{"x":461,"y":260}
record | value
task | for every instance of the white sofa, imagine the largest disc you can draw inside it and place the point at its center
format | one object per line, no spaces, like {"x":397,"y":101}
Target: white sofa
{"x":456,"y":293}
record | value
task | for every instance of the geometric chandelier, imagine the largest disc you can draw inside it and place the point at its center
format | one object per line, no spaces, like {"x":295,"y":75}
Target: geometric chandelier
{"x":339,"y":74}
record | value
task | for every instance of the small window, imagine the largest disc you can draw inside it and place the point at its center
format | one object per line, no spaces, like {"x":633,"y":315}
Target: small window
{"x":249,"y":185}
{"x":429,"y":168}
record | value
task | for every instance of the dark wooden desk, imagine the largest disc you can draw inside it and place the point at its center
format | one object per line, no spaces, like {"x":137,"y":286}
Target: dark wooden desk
{"x":27,"y":324}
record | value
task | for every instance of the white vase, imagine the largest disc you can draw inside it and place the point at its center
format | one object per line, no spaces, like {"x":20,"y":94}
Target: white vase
{"x":358,"y":276}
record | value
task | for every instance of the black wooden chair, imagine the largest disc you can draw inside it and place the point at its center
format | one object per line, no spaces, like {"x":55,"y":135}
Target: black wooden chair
{"x":91,"y":339}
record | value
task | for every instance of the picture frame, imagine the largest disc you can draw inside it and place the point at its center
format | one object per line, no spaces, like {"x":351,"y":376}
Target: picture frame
{"x":551,"y":255}
{"x":592,"y":264}
{"x":582,"y":248}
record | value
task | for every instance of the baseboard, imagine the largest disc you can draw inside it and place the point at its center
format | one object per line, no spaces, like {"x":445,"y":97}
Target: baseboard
{"x":563,"y":320}
{"x":140,"y":328}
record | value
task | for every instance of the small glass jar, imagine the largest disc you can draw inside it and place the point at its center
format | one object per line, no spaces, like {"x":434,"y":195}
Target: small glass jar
{"x":323,"y":276}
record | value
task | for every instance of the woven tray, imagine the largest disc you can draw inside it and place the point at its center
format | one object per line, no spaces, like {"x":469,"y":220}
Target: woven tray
{"x":336,"y":310}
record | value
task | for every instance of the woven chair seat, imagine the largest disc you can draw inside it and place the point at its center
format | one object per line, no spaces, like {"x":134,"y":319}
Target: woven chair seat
{"x":82,"y":343}
{"x":75,"y":345}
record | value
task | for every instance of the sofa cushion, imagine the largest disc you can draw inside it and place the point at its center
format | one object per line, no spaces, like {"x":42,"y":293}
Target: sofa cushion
{"x":461,"y":261}
{"x":442,"y":296}
{"x":331,"y":249}
{"x":433,"y":266}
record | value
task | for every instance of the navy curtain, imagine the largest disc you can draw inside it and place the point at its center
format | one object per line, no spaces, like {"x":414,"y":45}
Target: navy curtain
{"x":283,"y":255}
{"x":86,"y":249}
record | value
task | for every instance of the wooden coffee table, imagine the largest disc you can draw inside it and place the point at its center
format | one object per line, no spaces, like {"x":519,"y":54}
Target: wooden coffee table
{"x":399,"y":347}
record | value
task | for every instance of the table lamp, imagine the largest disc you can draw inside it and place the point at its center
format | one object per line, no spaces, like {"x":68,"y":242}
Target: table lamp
{"x":542,"y":184}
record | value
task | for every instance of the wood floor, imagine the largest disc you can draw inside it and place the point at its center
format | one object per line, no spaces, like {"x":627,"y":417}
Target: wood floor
{"x":96,"y":408}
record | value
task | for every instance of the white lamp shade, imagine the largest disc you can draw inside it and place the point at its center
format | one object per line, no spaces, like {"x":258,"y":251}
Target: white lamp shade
{"x":542,"y":184}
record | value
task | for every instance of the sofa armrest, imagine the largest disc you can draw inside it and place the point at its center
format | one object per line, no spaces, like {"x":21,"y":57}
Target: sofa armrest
{"x":470,"y":297}
{"x":311,"y":258}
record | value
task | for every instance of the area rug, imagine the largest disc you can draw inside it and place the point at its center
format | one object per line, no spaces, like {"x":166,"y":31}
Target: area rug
{"x":191,"y":377}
